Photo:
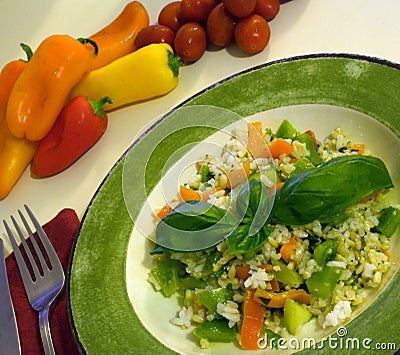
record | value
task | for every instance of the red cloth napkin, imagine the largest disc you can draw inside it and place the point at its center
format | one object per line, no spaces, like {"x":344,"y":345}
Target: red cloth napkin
{"x":61,"y":231}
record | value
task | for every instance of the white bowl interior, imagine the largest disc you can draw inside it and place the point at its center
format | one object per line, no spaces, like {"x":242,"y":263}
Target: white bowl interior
{"x":154,"y":310}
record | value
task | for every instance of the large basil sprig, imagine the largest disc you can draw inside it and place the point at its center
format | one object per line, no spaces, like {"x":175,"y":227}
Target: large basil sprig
{"x":194,"y":225}
{"x":320,"y":193}
{"x":254,"y":205}
{"x":329,"y":189}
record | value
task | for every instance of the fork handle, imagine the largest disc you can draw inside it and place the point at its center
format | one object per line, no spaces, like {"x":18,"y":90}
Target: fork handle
{"x":45,"y":332}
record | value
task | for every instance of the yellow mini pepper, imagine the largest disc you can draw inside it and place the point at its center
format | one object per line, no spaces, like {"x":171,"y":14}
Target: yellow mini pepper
{"x":40,"y":91}
{"x":146,"y":73}
{"x":15,"y":156}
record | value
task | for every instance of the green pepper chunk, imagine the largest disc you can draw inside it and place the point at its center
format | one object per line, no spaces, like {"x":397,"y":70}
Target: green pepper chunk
{"x":322,"y":283}
{"x":210,"y":298}
{"x":286,"y":130}
{"x":287,"y":276}
{"x":215,"y":330}
{"x":302,"y":165}
{"x":211,"y":260}
{"x":192,"y":283}
{"x":326,"y":251}
{"x":388,"y":221}
{"x":166,"y":273}
{"x":315,"y":159}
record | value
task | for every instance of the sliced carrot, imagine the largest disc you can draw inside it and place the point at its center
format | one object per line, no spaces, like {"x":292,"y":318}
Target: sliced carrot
{"x":242,"y":272}
{"x":257,"y":125}
{"x":237,"y":176}
{"x":253,"y":322}
{"x":279,"y":185}
{"x":277,"y":299}
{"x":187,"y":194}
{"x":288,"y":250}
{"x":164,"y":211}
{"x":256,"y":145}
{"x":279,"y":146}
{"x":387,"y":253}
{"x":358,"y":147}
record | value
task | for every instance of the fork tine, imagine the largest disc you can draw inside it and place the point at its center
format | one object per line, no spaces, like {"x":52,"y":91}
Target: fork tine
{"x":26,"y":277}
{"x":34,"y":243}
{"x":26,"y":248}
{"x":51,"y":253}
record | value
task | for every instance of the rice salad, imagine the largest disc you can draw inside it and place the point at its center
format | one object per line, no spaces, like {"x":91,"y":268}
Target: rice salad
{"x":303,"y":263}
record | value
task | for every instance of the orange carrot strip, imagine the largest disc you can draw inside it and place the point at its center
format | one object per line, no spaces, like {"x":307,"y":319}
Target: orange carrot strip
{"x":253,"y":322}
{"x":358,"y":147}
{"x":164,"y":211}
{"x":187,"y":194}
{"x":289,"y":249}
{"x":279,"y":146}
{"x":256,"y":145}
{"x":277,"y":300}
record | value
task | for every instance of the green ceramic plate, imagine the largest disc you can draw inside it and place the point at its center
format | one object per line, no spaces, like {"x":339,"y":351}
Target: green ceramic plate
{"x":113,"y":309}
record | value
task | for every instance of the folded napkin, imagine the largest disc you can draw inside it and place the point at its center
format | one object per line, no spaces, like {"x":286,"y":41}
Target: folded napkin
{"x":61,"y":231}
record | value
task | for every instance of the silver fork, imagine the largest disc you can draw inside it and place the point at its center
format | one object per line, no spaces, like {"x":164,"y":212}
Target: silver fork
{"x":46,"y":284}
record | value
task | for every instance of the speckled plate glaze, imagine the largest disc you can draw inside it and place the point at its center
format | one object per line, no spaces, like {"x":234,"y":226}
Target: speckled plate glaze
{"x":102,"y":315}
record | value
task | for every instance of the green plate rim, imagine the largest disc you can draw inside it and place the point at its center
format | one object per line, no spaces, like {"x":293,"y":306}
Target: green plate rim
{"x":116,"y":171}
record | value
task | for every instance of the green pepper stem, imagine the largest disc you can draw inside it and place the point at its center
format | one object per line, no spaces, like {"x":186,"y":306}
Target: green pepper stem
{"x":90,"y":41}
{"x":97,"y":106}
{"x":28,"y":51}
{"x":174,"y":63}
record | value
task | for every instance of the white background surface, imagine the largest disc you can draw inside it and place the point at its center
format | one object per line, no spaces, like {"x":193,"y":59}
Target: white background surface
{"x":366,"y":27}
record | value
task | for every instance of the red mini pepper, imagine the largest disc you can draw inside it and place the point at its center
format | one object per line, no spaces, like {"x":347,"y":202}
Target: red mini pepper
{"x":78,"y":127}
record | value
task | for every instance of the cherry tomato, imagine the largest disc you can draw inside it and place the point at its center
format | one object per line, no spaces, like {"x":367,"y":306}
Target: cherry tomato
{"x":190,"y":42}
{"x":267,"y":8}
{"x":170,"y":16}
{"x":154,"y":34}
{"x":240,"y":8}
{"x":220,"y":26}
{"x":196,"y":10}
{"x":252,"y":33}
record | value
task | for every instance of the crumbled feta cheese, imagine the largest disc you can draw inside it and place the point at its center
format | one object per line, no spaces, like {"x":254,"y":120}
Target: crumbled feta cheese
{"x":230,"y":311}
{"x":369,"y":270}
{"x":258,"y":278}
{"x":340,"y":312}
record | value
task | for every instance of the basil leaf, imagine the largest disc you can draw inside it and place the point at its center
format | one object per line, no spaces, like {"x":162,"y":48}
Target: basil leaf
{"x":254,"y":204}
{"x":329,"y":189}
{"x":194,"y":226}
{"x":240,"y":241}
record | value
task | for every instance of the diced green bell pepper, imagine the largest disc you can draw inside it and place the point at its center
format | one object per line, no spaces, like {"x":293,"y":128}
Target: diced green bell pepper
{"x":388,"y":221}
{"x":191,"y":283}
{"x":295,"y":316}
{"x":322,"y":283}
{"x":287,"y":276}
{"x":210,"y":298}
{"x":167,"y":273}
{"x":210,"y":262}
{"x":326,"y":251}
{"x":315,"y":159}
{"x":302,"y":165}
{"x":286,"y":130}
{"x":215,"y":330}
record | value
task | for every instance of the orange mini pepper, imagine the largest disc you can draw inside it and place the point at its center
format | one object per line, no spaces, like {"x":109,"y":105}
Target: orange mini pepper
{"x":15,"y":153}
{"x":8,"y":75}
{"x":41,"y":90}
{"x":117,"y":38}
